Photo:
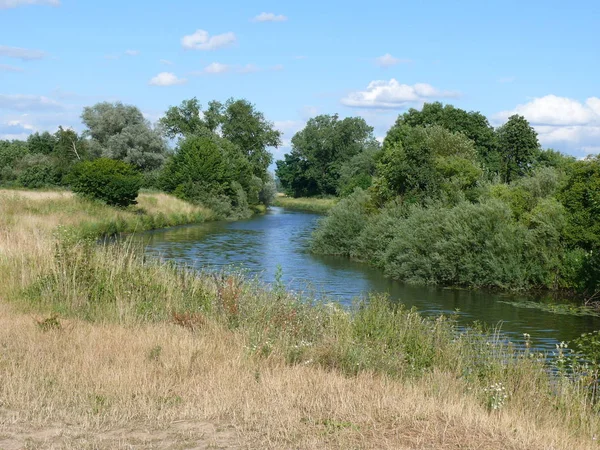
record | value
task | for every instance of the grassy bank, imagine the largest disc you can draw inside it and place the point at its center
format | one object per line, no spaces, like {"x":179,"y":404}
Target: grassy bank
{"x":316,"y":205}
{"x":103,"y":348}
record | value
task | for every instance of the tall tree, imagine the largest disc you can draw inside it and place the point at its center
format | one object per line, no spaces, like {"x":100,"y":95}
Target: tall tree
{"x":319,"y":151}
{"x":473,"y":125}
{"x":519,"y":147}
{"x":244,"y":126}
{"x":238,"y":121}
{"x":121,"y":132}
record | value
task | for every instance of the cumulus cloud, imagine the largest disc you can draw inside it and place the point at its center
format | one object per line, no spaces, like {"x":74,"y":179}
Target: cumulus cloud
{"x":393,"y":95}
{"x":270,"y":17}
{"x":7,"y":4}
{"x":562,"y":121}
{"x":7,"y":68}
{"x":132,"y":52}
{"x":201,"y":40}
{"x":20,"y":102}
{"x":388,"y":60}
{"x":166,"y":79}
{"x":23,"y":54}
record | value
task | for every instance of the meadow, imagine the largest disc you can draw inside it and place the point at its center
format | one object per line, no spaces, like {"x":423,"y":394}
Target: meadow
{"x":101,"y":347}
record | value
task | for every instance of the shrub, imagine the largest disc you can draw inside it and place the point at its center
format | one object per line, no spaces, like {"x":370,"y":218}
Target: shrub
{"x":38,"y":176}
{"x":114,"y":182}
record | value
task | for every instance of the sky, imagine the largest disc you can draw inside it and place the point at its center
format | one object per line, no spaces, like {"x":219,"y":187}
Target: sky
{"x":294,"y":60}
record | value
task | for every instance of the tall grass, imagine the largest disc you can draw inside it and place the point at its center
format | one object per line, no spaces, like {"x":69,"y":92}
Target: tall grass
{"x":316,"y":205}
{"x":117,"y":339}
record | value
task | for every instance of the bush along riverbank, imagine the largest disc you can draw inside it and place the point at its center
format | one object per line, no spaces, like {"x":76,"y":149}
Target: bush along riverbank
{"x":117,"y":339}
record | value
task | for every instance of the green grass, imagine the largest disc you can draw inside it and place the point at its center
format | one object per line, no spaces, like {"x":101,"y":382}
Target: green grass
{"x":316,"y":205}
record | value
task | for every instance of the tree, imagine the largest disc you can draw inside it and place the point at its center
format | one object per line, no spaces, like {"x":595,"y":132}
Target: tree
{"x":244,"y":126}
{"x":183,"y":120}
{"x":114,"y":182}
{"x":41,"y":144}
{"x":120,"y":132}
{"x":319,"y":152}
{"x":581,"y":198}
{"x":519,"y":147}
{"x":420,"y":163}
{"x":473,"y":125}
{"x":206,"y":166}
{"x":236,"y":120}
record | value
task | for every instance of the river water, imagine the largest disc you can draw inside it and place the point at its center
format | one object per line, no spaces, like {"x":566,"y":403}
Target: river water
{"x":279,"y":239}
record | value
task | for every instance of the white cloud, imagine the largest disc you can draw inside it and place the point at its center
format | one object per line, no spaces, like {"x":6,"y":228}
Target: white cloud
{"x":7,"y":68}
{"x":277,"y":67}
{"x":23,"y":54}
{"x":132,"y":52}
{"x":201,"y":40}
{"x":166,"y":79}
{"x":270,"y":17}
{"x":562,"y":121}
{"x":216,"y":68}
{"x":7,"y":4}
{"x":388,"y":60}
{"x":20,"y":102}
{"x":166,"y":62}
{"x":393,"y":95}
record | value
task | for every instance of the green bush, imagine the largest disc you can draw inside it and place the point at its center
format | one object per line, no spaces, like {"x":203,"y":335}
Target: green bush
{"x":38,"y":176}
{"x":114,"y":182}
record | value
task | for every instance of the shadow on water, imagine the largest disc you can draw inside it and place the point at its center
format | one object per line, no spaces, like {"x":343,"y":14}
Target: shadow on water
{"x":280,"y":238}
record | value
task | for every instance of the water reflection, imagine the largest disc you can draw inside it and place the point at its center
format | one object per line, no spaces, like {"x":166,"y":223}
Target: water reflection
{"x":279,"y":238}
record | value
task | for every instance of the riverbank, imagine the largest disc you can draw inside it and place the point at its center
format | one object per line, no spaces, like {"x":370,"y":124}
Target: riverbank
{"x":102,"y":348}
{"x":316,"y":205}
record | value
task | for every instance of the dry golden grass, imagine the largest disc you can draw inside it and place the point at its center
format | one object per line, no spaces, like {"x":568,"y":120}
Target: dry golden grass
{"x":318,"y":205}
{"x":72,"y":384}
{"x":108,"y":386}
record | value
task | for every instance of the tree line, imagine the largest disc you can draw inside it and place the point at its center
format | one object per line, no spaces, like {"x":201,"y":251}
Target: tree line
{"x":220,"y":158}
{"x":447,"y":199}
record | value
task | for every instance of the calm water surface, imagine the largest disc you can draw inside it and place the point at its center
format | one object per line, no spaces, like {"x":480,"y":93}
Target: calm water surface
{"x":279,"y":239}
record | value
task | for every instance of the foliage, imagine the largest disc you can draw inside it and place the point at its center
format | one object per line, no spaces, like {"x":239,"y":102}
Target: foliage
{"x":209,"y":166}
{"x":425,"y":163}
{"x":518,"y":146}
{"x":473,"y":125}
{"x":581,"y":198}
{"x":114,"y":182}
{"x":121,"y":132}
{"x":336,"y":232}
{"x":319,"y":151}
{"x":238,"y":121}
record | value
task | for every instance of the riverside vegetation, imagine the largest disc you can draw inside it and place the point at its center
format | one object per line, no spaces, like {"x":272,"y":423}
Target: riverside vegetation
{"x":449,"y":200}
{"x":102,"y":347}
{"x":98,"y":342}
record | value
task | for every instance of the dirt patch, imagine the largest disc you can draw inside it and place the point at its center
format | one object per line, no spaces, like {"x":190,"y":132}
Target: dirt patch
{"x":177,"y":435}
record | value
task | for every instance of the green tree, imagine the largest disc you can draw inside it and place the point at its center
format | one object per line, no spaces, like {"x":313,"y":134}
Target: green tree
{"x":207,"y":167}
{"x":41,"y":144}
{"x":183,"y":120}
{"x":581,"y":198}
{"x":120,"y":132}
{"x":421,"y":163}
{"x":240,"y":123}
{"x":319,"y":151}
{"x":472,"y":124}
{"x":519,"y":147}
{"x":114,"y":182}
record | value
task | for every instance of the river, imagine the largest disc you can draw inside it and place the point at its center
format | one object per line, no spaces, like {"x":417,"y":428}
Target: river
{"x":279,"y":239}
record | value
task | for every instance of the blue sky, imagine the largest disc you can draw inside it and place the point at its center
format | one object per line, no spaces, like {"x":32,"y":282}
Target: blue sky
{"x":294,"y":60}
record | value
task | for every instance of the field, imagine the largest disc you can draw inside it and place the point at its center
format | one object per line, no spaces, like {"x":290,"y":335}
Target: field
{"x":102,"y":348}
